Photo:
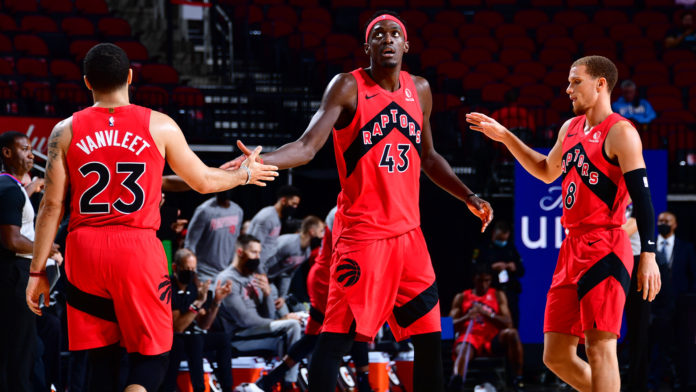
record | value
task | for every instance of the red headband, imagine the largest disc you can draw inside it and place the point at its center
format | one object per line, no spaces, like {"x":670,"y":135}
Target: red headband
{"x":385,"y":17}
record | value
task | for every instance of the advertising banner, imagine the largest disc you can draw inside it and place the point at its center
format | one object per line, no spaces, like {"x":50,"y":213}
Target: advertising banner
{"x":538,"y":235}
{"x":38,"y":129}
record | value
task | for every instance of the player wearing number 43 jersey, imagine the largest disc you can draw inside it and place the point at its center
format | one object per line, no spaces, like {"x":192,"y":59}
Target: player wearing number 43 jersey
{"x":108,"y":161}
{"x":380,"y":268}
{"x":599,"y":156}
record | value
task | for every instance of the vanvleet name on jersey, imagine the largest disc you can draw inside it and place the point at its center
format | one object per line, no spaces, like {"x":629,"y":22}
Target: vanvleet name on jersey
{"x":110,"y":138}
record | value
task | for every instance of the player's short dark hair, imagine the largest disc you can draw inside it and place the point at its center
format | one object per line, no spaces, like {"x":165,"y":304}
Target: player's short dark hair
{"x":309,"y":222}
{"x":600,"y":67}
{"x":481,"y":268}
{"x":106,"y":67}
{"x":288,"y":191}
{"x":8,"y":138}
{"x":245,"y":239}
{"x":181,"y":255}
{"x":382,"y":12}
{"x":502,"y":226}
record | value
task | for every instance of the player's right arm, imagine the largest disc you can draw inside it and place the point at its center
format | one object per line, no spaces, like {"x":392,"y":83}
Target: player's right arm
{"x":456,"y":311}
{"x":337,"y":105}
{"x":544,"y":167}
{"x":203,"y":179}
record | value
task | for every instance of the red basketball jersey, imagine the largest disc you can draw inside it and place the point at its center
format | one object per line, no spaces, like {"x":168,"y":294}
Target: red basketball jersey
{"x":378,"y":160}
{"x":114,"y":168}
{"x":594,"y":192}
{"x":482,"y":327}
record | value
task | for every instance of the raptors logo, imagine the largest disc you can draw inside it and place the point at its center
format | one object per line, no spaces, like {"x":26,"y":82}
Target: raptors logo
{"x":165,"y":288}
{"x":348,"y":272}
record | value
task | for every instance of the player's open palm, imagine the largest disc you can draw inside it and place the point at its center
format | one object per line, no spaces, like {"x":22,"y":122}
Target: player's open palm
{"x":486,"y":125}
{"x":648,"y":279}
{"x":258,"y":172}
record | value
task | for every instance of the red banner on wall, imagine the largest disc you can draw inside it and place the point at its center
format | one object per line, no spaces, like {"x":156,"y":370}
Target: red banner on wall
{"x":38,"y":129}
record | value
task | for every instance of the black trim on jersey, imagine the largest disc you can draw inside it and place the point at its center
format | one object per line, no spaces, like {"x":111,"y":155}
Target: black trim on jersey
{"x":316,"y":314}
{"x":89,"y":303}
{"x":604,"y":189}
{"x":609,"y":266}
{"x":614,"y":161}
{"x":416,"y":308}
{"x":358,"y":149}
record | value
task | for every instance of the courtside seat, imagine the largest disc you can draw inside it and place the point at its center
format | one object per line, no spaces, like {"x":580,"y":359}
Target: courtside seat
{"x":663,"y":103}
{"x":582,"y":3}
{"x":321,"y":29}
{"x":450,"y":17}
{"x":474,"y":56}
{"x":21,"y":5}
{"x":495,"y":69}
{"x":29,"y":44}
{"x":467,"y":31}
{"x":431,"y":57}
{"x":476,"y":81}
{"x":248,"y":14}
{"x":625,"y":32}
{"x":7,"y":23}
{"x":185,"y":96}
{"x":509,"y":30}
{"x":38,"y":24}
{"x":638,"y":55}
{"x":349,"y":3}
{"x":512,"y":56}
{"x":556,"y":79}
{"x":445,"y":102}
{"x":561,"y":104}
{"x":520,"y":42}
{"x":38,"y":92}
{"x":551,"y":56}
{"x":415,"y":19}
{"x":317,"y":14}
{"x":448,"y":43}
{"x":657,"y":32}
{"x":663,"y":90}
{"x":542,"y":91}
{"x":134,"y":49}
{"x":283,"y":13}
{"x":92,"y":7}
{"x":547,"y":3}
{"x":452,"y":70}
{"x":673,"y":56}
{"x":490,"y":19}
{"x":600,"y":46}
{"x":57,"y":6}
{"x":570,"y":18}
{"x":618,"y":3}
{"x":427,"y":3}
{"x":587,"y":32}
{"x":79,"y":48}
{"x":72,"y":93}
{"x":6,"y":67}
{"x":159,"y":74}
{"x":465,"y":3}
{"x":685,"y":66}
{"x":77,"y":26}
{"x":114,"y":27}
{"x":685,"y":78}
{"x":304,"y":3}
{"x":32,"y":67}
{"x":433,"y":30}
{"x":496,"y":3}
{"x":609,"y":17}
{"x":494,"y":92}
{"x":550,"y":30}
{"x":534,"y":69}
{"x":530,"y":18}
{"x":489,"y":44}
{"x":155,"y":97}
{"x":301,"y":41}
{"x":5,"y":44}
{"x":647,"y":18}
{"x":561,"y":42}
{"x":659,"y":3}
{"x":65,"y":70}
{"x":519,"y":80}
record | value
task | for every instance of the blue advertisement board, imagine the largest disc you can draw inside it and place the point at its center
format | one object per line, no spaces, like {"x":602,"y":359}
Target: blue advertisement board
{"x":538,"y":235}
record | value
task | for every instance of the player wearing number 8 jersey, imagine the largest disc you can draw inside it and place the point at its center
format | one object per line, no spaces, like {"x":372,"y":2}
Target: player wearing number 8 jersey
{"x":599,"y":155}
{"x":109,"y":158}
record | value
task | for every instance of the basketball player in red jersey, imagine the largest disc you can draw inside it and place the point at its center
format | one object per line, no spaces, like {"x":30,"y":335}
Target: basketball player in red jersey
{"x":599,"y":155}
{"x":110,"y":158}
{"x":380,"y":268}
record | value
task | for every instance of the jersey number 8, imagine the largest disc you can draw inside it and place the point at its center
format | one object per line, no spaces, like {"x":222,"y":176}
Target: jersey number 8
{"x":135,"y":170}
{"x":570,"y":195}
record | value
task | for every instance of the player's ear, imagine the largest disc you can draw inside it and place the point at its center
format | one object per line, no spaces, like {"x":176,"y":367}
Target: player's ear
{"x":601,"y":82}
{"x":89,"y":86}
{"x":407,"y":46}
{"x":366,"y":48}
{"x":130,"y":76}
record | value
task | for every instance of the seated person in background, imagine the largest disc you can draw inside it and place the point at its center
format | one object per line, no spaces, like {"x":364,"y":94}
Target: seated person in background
{"x":248,"y":311}
{"x":267,"y":223}
{"x":292,"y":251}
{"x":633,"y":107}
{"x":484,"y":327}
{"x":684,"y":36}
{"x":212,"y":233}
{"x":193,"y":312}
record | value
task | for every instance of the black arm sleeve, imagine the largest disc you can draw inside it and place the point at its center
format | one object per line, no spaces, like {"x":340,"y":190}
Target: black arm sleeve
{"x":637,"y":185}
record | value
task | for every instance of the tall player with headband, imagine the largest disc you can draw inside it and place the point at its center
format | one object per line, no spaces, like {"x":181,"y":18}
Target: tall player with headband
{"x":380,"y":268}
{"x":599,"y":156}
{"x":108,"y":160}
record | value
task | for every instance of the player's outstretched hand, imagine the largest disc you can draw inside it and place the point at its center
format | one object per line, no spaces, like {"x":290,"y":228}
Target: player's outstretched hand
{"x":36,"y":286}
{"x":237,"y":162}
{"x":648,"y":278}
{"x":259,"y":171}
{"x":482,"y":209}
{"x":486,"y":125}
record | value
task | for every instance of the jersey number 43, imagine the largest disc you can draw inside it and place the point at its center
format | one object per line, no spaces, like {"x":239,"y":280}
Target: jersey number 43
{"x":388,"y":160}
{"x":134,"y":169}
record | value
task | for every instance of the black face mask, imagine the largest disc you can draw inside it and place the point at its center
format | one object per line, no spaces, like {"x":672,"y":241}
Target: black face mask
{"x":185,"y":276}
{"x":252,"y":265}
{"x":664,"y":229}
{"x":288,"y":211}
{"x":315,"y":242}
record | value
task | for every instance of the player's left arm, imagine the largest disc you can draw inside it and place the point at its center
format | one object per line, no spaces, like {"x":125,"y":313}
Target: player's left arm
{"x":50,"y":212}
{"x":437,"y":168}
{"x":623,"y":143}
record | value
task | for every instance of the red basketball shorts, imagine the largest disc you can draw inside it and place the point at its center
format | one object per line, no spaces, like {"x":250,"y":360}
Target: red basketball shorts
{"x":590,"y":283}
{"x":128,"y":267}
{"x":318,"y":290}
{"x":386,"y":280}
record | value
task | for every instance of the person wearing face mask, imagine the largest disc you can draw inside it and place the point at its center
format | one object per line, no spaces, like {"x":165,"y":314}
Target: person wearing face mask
{"x":194,"y":309}
{"x":503,"y":259}
{"x":249,"y":310}
{"x":212,"y":233}
{"x":268,"y":222}
{"x":677,"y":261}
{"x":292,"y":251}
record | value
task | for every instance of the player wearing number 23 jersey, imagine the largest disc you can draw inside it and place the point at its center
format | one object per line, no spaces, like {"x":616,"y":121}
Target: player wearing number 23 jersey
{"x":115,"y":175}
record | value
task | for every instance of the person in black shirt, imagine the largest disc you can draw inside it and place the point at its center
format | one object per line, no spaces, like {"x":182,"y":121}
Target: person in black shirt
{"x":502,"y":257}
{"x":194,"y":309}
